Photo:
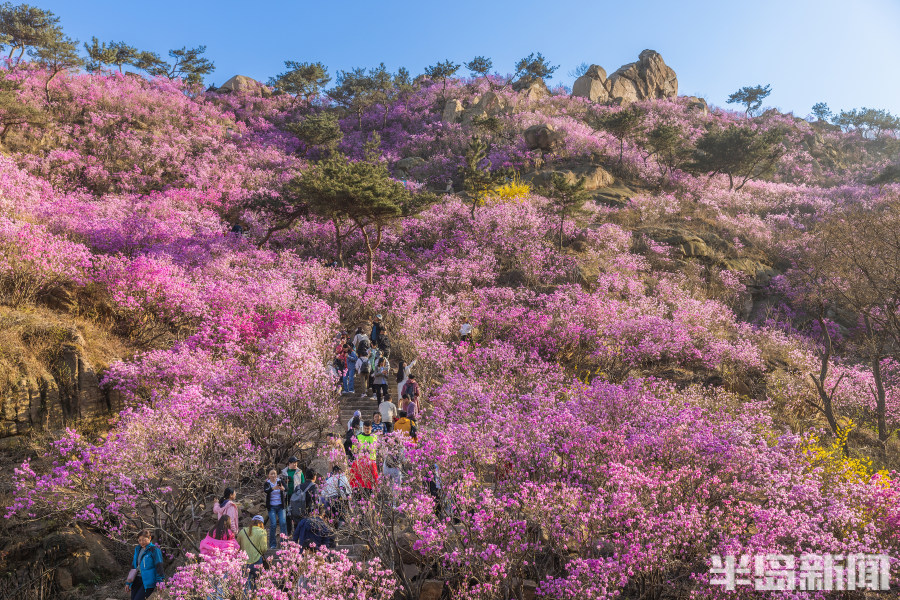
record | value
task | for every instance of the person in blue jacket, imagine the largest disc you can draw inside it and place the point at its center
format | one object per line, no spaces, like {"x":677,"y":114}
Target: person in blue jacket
{"x":148,"y":562}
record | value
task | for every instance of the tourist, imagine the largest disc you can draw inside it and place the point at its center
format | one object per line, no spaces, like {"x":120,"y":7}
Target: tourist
{"x":349,"y":379}
{"x":375,"y":335}
{"x":410,"y":397}
{"x":367,"y":441}
{"x":292,"y":475}
{"x":406,"y":425}
{"x":275,"y":504}
{"x":146,"y":567}
{"x":304,"y":498}
{"x":374,"y":358}
{"x":377,"y":425}
{"x":382,"y":371}
{"x":252,"y":541}
{"x":227,"y":506}
{"x":336,"y":488}
{"x":355,"y":422}
{"x":359,"y":337}
{"x":388,"y":412}
{"x":384,"y":342}
{"x":403,"y":370}
{"x":220,"y":538}
{"x":465,"y":330}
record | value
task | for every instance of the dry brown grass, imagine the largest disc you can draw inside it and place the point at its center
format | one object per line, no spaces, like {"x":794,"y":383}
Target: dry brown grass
{"x":31,"y":339}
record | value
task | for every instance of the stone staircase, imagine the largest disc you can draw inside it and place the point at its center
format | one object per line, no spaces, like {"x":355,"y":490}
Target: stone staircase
{"x":365,"y":404}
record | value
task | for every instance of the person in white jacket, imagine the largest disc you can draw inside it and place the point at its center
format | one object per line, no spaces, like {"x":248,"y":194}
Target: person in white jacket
{"x":403,"y":371}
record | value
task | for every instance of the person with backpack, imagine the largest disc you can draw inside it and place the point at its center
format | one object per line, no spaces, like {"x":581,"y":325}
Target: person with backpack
{"x":381,"y":374}
{"x":349,"y":379}
{"x":374,"y":359}
{"x":375,"y":335}
{"x":276,"y":500}
{"x":384,"y":341}
{"x":410,"y":397}
{"x":304,"y":500}
{"x":292,"y":475}
{"x":146,"y":567}
{"x":359,"y":335}
{"x":388,"y":411}
{"x":406,"y":425}
{"x":403,"y":370}
{"x":252,"y":541}
{"x":227,"y":506}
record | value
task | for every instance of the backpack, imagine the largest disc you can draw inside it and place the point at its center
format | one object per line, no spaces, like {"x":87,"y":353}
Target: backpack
{"x":410,"y":389}
{"x":362,"y":348}
{"x":303,"y":500}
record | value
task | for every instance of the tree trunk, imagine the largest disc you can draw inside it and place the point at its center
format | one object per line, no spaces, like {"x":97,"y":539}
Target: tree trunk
{"x":339,"y":240}
{"x":879,"y":392}
{"x":47,"y":87}
{"x":562,"y":220}
{"x":730,"y":182}
{"x":371,"y":248}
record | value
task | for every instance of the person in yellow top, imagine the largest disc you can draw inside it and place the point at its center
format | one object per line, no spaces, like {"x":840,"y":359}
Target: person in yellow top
{"x":367,"y":441}
{"x":406,"y":425}
{"x":253,"y":541}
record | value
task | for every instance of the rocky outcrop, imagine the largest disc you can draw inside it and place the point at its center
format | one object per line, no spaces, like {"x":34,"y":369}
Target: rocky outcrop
{"x":543,"y":137}
{"x":241,"y":84}
{"x":490,"y":104}
{"x":650,"y":77}
{"x":532,"y":89}
{"x":453,"y":108}
{"x":595,"y":176}
{"x":42,"y":562}
{"x":403,"y":166}
{"x":53,"y":381}
{"x":592,"y":85}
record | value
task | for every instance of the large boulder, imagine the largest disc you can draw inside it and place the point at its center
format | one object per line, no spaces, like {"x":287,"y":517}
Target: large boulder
{"x":650,"y":77}
{"x":696,"y":104}
{"x":241,"y":84}
{"x":453,"y":108}
{"x":595,"y":176}
{"x":543,"y":137}
{"x":403,"y":166}
{"x":532,"y":88}
{"x":592,"y":85}
{"x":489,"y":105}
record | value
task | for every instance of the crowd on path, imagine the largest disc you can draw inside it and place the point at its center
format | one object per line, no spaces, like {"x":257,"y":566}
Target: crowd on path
{"x":300,"y":502}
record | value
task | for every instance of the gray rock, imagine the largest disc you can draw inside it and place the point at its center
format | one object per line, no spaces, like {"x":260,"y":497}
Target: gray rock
{"x":403,"y":166}
{"x":241,"y":84}
{"x":532,"y":89}
{"x":649,"y":77}
{"x":592,"y":85}
{"x":453,"y":108}
{"x":697,"y":105}
{"x":543,"y":137}
{"x":431,"y":590}
{"x":489,"y":105}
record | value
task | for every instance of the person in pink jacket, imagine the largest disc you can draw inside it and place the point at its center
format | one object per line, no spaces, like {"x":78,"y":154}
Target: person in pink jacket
{"x":220,"y":538}
{"x":227,"y":506}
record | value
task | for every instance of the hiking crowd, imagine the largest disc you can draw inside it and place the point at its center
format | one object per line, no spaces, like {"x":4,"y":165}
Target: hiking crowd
{"x":300,"y":502}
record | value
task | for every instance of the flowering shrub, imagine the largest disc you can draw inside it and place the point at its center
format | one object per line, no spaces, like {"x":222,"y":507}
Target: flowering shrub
{"x":612,"y":423}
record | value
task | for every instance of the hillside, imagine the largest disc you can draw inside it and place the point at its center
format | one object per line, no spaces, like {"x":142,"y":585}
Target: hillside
{"x":668,"y":360}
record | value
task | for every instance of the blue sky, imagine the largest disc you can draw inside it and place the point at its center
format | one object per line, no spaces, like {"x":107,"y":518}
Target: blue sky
{"x":843,"y":53}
